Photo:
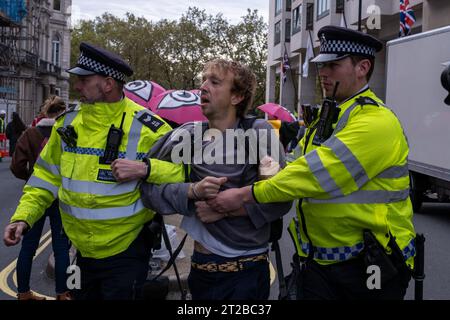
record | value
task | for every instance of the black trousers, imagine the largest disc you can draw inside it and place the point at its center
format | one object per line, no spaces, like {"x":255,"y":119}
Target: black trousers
{"x":348,"y":281}
{"x":251,"y":283}
{"x":119,"y":277}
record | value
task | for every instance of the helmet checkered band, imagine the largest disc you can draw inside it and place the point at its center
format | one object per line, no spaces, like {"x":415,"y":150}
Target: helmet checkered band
{"x":347,"y":47}
{"x":95,"y":66}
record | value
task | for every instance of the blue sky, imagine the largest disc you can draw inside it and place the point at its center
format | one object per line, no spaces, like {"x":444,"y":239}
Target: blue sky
{"x":166,"y":9}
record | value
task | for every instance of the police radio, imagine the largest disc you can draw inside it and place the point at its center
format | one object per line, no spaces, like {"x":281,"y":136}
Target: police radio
{"x":112,"y":143}
{"x":309,"y":114}
{"x":328,"y":115}
{"x":68,"y":135}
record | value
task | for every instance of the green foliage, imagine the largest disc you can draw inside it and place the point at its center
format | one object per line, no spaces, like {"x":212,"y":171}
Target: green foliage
{"x":173,"y":53}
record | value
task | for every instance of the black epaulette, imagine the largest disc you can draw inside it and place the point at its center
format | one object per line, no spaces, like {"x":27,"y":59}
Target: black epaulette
{"x":367,"y":101}
{"x":150,"y":120}
{"x":69,"y":110}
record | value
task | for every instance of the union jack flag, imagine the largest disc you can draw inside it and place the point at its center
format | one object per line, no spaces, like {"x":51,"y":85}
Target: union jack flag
{"x":407,"y":18}
{"x":285,"y":66}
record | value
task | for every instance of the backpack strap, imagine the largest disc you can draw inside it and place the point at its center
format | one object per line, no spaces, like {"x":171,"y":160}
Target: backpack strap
{"x":189,"y":175}
{"x":276,"y":227}
{"x":282,"y":288}
{"x":246,"y":124}
{"x":173,"y":256}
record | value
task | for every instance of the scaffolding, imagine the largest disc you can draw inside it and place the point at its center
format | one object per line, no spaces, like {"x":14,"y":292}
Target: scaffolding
{"x":21,"y":26}
{"x":13,"y":10}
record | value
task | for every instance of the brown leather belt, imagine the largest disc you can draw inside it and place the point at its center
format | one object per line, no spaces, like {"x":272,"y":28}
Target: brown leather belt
{"x":230,"y":266}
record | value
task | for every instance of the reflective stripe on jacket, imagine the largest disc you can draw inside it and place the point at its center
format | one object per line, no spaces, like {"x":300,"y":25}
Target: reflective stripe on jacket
{"x":358,"y":179}
{"x":100,"y":216}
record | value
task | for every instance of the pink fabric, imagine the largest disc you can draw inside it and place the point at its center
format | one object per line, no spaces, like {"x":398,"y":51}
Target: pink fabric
{"x":179,"y":106}
{"x":278,"y":112}
{"x":142,"y":91}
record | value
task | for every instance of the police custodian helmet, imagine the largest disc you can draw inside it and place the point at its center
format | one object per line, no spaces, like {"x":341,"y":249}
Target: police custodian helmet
{"x":96,"y":60}
{"x":337,"y":43}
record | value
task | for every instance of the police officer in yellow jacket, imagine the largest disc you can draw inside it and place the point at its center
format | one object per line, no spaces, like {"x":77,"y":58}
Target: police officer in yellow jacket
{"x":2,"y":121}
{"x":104,"y":219}
{"x":353,"y":232}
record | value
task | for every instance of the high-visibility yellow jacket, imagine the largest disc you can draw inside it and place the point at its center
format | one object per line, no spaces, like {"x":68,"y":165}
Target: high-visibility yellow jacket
{"x":357,"y":179}
{"x":100,"y":216}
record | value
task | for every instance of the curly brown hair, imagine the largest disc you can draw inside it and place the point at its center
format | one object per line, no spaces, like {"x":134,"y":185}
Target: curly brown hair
{"x":244,"y":82}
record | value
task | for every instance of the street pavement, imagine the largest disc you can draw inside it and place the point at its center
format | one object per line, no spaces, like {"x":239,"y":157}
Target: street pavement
{"x":433,"y":221}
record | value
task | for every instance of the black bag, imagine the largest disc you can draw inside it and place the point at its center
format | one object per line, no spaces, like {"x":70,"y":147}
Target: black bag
{"x":293,"y":282}
{"x":156,"y":289}
{"x":375,"y":255}
{"x":276,"y":230}
{"x":155,"y":226}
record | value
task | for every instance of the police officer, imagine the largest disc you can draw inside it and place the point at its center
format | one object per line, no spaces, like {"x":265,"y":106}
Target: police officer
{"x":103,"y":219}
{"x":2,"y":121}
{"x":353,"y":232}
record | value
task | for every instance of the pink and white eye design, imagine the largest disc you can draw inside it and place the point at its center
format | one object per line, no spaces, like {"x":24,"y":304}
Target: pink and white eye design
{"x":179,"y":98}
{"x":143,"y":89}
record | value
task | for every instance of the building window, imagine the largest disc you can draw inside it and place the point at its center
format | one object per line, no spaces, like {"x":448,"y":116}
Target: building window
{"x":287,"y":31}
{"x":57,"y":5}
{"x":309,"y":16}
{"x":277,"y":32}
{"x":56,"y":48}
{"x":297,"y":19}
{"x":323,"y":8}
{"x":288,"y":5}
{"x":277,"y":7}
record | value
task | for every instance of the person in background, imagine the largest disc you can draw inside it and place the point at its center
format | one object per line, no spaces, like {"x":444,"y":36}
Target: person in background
{"x":39,"y":117}
{"x":28,"y":147}
{"x":290,"y":133}
{"x":13,"y":131}
{"x":2,"y":121}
